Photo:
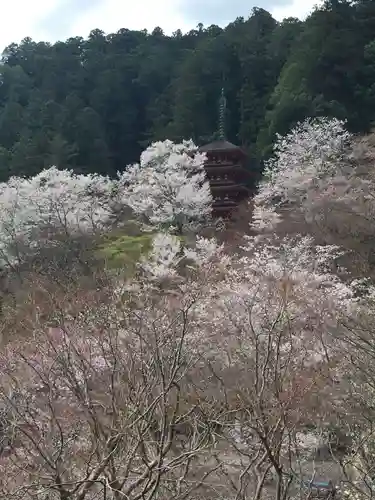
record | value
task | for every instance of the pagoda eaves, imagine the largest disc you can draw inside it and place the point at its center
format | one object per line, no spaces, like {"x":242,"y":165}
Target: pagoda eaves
{"x":226,"y":174}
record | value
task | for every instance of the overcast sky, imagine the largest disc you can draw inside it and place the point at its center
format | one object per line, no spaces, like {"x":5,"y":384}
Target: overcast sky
{"x":52,"y":20}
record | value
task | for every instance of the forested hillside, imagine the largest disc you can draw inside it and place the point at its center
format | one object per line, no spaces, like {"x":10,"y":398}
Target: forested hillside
{"x":93,"y":105}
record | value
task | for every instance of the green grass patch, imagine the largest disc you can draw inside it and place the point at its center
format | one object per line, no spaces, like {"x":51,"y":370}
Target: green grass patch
{"x":123,"y":250}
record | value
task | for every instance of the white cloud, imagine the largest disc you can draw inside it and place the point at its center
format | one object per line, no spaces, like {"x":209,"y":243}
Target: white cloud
{"x":223,"y":11}
{"x":296,"y":8}
{"x":143,"y":14}
{"x":19,"y":18}
{"x":50,"y":20}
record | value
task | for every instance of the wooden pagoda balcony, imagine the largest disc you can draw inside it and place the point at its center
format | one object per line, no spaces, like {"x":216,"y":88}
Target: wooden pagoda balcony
{"x":224,"y":204}
{"x":223,"y":168}
{"x":227,"y":186}
{"x":221,"y":209}
{"x":221,"y":181}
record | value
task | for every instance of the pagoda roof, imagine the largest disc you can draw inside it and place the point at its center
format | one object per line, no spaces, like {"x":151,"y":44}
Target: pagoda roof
{"x":220,"y":146}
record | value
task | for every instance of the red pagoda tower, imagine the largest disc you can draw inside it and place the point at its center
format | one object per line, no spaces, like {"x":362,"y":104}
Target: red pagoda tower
{"x":226,"y":171}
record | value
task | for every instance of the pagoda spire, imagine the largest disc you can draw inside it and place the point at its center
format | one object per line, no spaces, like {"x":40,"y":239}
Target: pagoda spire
{"x":222,"y":113}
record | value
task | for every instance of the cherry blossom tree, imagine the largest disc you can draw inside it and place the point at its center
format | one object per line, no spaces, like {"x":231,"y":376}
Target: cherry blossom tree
{"x":313,"y":150}
{"x":88,"y":415}
{"x":200,"y":374}
{"x":357,"y":413}
{"x":35,"y":211}
{"x":92,"y":406}
{"x":320,"y":181}
{"x":267,"y":324}
{"x":305,"y":162}
{"x":138,"y":391}
{"x":169,"y":186}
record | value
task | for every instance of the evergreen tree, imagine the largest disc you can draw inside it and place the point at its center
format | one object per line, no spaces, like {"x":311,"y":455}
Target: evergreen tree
{"x":94,"y":104}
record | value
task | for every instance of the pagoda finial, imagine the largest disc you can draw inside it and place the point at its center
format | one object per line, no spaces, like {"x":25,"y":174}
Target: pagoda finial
{"x":222,"y":111}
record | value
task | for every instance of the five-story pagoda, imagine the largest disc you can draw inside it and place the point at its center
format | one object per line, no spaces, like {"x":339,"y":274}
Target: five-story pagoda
{"x":226,"y":171}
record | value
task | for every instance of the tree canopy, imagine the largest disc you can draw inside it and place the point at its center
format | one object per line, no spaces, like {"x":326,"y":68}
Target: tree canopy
{"x":92,"y":105}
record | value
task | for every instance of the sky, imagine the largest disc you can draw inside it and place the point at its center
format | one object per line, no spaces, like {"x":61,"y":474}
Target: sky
{"x":51,"y":20}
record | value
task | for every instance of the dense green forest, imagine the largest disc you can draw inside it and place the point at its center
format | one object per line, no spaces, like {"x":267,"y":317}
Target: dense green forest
{"x":94,"y":104}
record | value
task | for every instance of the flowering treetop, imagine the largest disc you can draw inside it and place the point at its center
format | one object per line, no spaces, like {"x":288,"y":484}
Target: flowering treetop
{"x":52,"y":201}
{"x":321,"y":180}
{"x":304,"y":163}
{"x":313,"y":150}
{"x":169,"y":186}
